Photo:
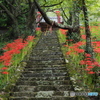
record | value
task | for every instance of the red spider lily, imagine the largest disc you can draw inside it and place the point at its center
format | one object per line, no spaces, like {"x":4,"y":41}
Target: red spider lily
{"x":18,"y":40}
{"x":73,"y":47}
{"x":5,"y":72}
{"x":97,"y":50}
{"x":96,"y":64}
{"x":87,"y":69}
{"x":16,"y":51}
{"x":87,"y":55}
{"x":66,"y":45}
{"x":14,"y":44}
{"x":75,"y":53}
{"x":90,"y":67}
{"x":9,"y":46}
{"x":79,"y":43}
{"x":79,"y":50}
{"x":20,"y":46}
{"x":91,"y":72}
{"x":88,"y":59}
{"x":68,"y":53}
{"x":38,"y":29}
{"x":6,"y":57}
{"x":96,"y":43}
{"x":70,"y":40}
{"x":13,"y":48}
{"x":88,"y":62}
{"x":83,"y":36}
{"x":30,"y":38}
{"x":63,"y":31}
{"x":7,"y":63}
{"x":82,"y":62}
{"x":1,"y":58}
{"x":4,"y":68}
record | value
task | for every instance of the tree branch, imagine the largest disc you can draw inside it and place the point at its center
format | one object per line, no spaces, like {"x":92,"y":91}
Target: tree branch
{"x":10,"y":4}
{"x":53,"y":4}
{"x":64,"y":15}
{"x":52,"y":23}
{"x":7,"y":11}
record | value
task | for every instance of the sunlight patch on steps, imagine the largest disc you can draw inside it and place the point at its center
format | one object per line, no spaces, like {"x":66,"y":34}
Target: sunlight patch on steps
{"x":44,"y":94}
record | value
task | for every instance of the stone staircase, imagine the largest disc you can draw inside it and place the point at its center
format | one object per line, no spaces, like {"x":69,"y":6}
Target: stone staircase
{"x":45,"y":76}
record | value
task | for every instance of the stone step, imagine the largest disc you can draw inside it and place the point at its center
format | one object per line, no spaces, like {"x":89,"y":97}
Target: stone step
{"x":35,"y":83}
{"x":46,"y":63}
{"x":48,"y":47}
{"x":45,"y":67}
{"x":41,"y":49}
{"x":52,"y":98}
{"x":42,"y":71}
{"x":48,"y":53}
{"x":42,"y":94}
{"x":51,"y":45}
{"x":46,"y":38}
{"x":49,"y":37}
{"x":48,"y":43}
{"x":42,"y":65}
{"x":44,"y":51}
{"x":39,"y":46}
{"x":45,"y":58}
{"x":50,"y":78}
{"x":43,"y":74}
{"x":43,"y":88}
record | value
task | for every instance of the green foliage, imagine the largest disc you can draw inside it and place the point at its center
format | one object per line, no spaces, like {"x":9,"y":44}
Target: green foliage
{"x":7,"y":81}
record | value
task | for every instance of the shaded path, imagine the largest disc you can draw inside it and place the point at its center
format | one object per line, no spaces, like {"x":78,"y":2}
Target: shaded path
{"x":45,"y":76}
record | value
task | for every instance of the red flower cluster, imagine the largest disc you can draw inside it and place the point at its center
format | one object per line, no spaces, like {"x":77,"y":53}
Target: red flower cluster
{"x":38,"y":29}
{"x":63,"y":31}
{"x":12,"y":49}
{"x":90,"y":64}
{"x":83,"y":36}
{"x":96,"y":45}
{"x":75,"y":48}
{"x":30,"y":38}
{"x":3,"y":70}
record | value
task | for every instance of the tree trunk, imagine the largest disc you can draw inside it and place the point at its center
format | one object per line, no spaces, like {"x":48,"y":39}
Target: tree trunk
{"x":32,"y":17}
{"x":89,"y":48}
{"x":74,"y":33}
{"x":15,"y":28}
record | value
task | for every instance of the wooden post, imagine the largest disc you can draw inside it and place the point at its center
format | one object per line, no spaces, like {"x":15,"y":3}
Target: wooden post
{"x":38,"y":17}
{"x":58,"y":16}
